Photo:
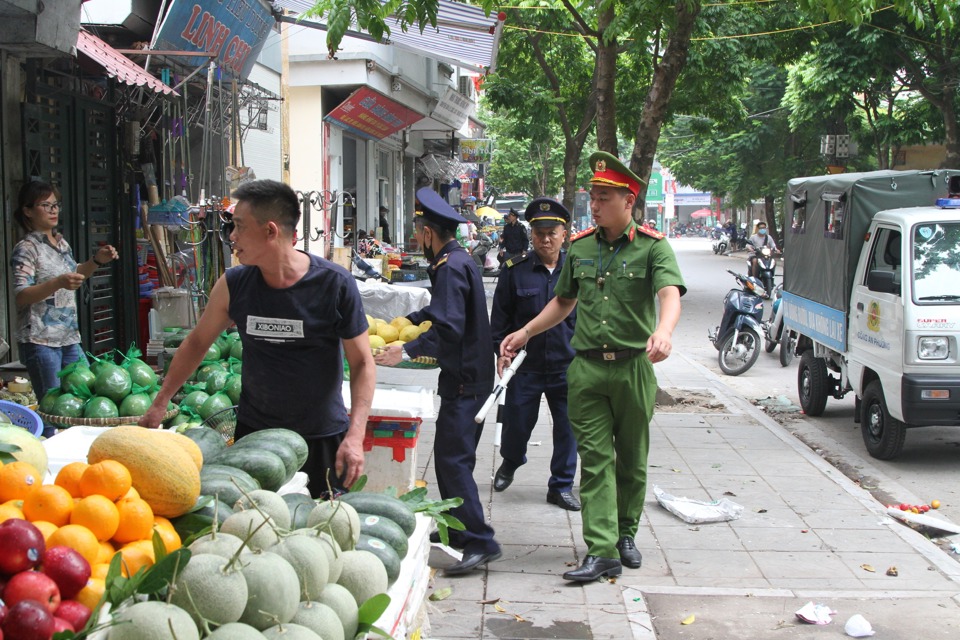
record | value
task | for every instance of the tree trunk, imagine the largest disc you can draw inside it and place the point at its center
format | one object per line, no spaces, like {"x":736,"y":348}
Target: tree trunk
{"x":606,"y":81}
{"x":770,"y":214}
{"x":951,"y":138}
{"x":658,"y":98}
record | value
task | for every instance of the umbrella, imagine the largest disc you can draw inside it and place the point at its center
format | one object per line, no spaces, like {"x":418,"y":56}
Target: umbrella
{"x":701,"y":213}
{"x":489,"y":212}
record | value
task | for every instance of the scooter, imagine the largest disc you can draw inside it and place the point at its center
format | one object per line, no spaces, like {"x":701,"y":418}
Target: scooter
{"x":738,"y":338}
{"x":774,"y":331}
{"x":721,"y":244}
{"x":766,"y":268}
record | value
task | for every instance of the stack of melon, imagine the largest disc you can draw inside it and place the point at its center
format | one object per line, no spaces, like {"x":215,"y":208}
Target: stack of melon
{"x":215,"y":385}
{"x":398,"y":331}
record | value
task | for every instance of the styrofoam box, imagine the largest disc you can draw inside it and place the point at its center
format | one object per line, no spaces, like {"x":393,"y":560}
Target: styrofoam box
{"x":408,"y":593}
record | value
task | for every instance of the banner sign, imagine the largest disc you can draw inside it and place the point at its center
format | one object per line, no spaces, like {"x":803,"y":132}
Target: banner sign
{"x":234,"y":30}
{"x":453,"y":109}
{"x":476,"y":151}
{"x":820,"y":322}
{"x":372,"y":115}
{"x":655,"y":188}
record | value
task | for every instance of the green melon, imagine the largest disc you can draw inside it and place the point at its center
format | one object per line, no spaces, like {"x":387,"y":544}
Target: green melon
{"x":31,"y":447}
{"x":290,"y":631}
{"x":320,"y":619}
{"x":208,"y":589}
{"x":338,"y":519}
{"x":363,"y":575}
{"x":219,"y":543}
{"x":236,"y":631}
{"x":308,"y":558}
{"x":300,"y":506}
{"x":268,"y":502}
{"x":249,"y":526}
{"x":388,"y":556}
{"x":273,"y":590}
{"x":153,"y":620}
{"x":341,"y":601}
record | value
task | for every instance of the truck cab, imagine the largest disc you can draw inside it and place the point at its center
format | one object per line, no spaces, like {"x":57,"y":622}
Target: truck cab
{"x":893,"y":339}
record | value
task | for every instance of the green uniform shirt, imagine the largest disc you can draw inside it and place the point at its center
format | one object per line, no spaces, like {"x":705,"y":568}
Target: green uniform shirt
{"x":622,"y":313}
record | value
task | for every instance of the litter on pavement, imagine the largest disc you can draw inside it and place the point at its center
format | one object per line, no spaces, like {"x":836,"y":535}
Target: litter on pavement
{"x":815,"y":613}
{"x":858,"y":627}
{"x":698,"y":511}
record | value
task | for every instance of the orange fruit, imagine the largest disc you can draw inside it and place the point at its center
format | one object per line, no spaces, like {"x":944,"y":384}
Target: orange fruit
{"x":46,"y":528}
{"x":48,"y":502}
{"x":131,"y":493}
{"x":100,"y":570}
{"x":17,"y":479}
{"x":169,"y":535}
{"x":78,"y":538}
{"x":9,"y":511}
{"x":106,"y":552}
{"x":91,"y":594}
{"x":134,"y":556}
{"x":106,"y":478}
{"x":136,"y":520}
{"x":69,"y":477}
{"x":98,"y":514}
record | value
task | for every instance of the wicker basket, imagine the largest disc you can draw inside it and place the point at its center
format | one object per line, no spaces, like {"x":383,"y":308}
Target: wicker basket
{"x":61,"y":421}
{"x":421,"y":362}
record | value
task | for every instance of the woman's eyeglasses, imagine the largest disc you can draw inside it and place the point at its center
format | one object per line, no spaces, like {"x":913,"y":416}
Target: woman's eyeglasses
{"x":49,"y":206}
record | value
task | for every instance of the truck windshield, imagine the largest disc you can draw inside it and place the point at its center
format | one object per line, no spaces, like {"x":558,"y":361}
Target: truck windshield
{"x":936,"y":262}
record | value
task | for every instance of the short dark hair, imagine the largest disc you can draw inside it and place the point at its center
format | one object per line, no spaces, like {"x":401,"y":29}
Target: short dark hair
{"x":30,"y":194}
{"x":271,"y":200}
{"x":444,"y":233}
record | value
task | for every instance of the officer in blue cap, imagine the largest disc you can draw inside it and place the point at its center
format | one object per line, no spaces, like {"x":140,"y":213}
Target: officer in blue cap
{"x":460,"y":340}
{"x":524,"y":288}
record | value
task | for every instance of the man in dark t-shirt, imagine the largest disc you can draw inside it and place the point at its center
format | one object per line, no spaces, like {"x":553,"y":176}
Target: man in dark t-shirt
{"x":295,"y":313}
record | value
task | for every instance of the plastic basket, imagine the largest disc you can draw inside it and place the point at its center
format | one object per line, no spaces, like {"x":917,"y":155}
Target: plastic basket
{"x":223,"y":422}
{"x":49,"y":418}
{"x":22,"y":417}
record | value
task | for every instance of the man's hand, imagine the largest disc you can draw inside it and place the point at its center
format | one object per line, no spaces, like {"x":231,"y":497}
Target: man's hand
{"x":152,"y":418}
{"x":389,"y":356}
{"x":659,"y":346}
{"x":349,"y":465}
{"x":513,"y":343}
{"x":71,"y":281}
{"x":503,"y":363}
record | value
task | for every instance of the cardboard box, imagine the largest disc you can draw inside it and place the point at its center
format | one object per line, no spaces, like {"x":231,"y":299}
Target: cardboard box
{"x":342,"y":256}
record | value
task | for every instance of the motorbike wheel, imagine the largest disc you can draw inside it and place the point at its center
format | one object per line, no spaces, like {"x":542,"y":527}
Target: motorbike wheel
{"x":883,"y":434}
{"x":788,"y":344}
{"x":812,"y":384}
{"x":769,"y":344}
{"x":735,"y":359}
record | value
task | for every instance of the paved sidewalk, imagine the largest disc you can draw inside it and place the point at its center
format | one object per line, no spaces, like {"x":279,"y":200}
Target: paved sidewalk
{"x":807,"y":533}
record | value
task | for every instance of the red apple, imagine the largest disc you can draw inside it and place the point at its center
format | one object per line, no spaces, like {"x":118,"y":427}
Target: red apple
{"x":3,"y":611}
{"x":76,"y":613}
{"x":32,"y":585}
{"x":21,"y":546}
{"x":28,"y":620}
{"x":68,"y":568}
{"x":59,"y":624}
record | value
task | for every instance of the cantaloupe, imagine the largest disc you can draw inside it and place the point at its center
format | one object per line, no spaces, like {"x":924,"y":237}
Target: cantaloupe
{"x":339,"y":519}
{"x":268,"y":502}
{"x":308,"y":558}
{"x":164,"y":475}
{"x":363,"y":575}
{"x":31,"y":449}
{"x":219,"y":543}
{"x":249,"y":526}
{"x":290,"y":631}
{"x":342,"y":602}
{"x":334,"y":563}
{"x":153,"y":620}
{"x":236,"y":631}
{"x":189,"y":446}
{"x":273,"y":590}
{"x":209,"y":588}
{"x":320,"y":619}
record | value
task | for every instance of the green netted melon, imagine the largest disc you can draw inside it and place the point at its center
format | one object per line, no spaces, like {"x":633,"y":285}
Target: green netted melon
{"x":300,"y":506}
{"x":363,"y":575}
{"x":236,"y":631}
{"x":218,"y":543}
{"x":330,"y":546}
{"x":258,"y":531}
{"x":290,"y":631}
{"x":319,"y":618}
{"x":308,"y":558}
{"x":208,"y":588}
{"x":153,"y":620}
{"x":31,"y":448}
{"x":338,"y":519}
{"x":268,"y":502}
{"x":273,"y":590}
{"x":343,"y":604}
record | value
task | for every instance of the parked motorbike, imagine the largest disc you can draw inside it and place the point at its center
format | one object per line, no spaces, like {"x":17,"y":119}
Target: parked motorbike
{"x":738,"y":338}
{"x":766,"y":268}
{"x":775,"y":333}
{"x":721,"y":244}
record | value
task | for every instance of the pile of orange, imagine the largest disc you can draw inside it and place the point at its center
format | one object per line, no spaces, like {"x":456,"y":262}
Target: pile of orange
{"x":92,"y":508}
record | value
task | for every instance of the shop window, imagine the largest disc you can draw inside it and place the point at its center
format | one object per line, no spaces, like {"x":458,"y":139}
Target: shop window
{"x":834,"y":214}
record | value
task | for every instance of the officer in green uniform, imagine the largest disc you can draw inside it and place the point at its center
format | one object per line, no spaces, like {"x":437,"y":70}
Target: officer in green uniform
{"x":612,"y":275}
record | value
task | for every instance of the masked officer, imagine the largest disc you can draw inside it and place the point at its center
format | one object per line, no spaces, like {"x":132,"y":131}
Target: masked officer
{"x":460,"y":340}
{"x":523,"y":290}
{"x":612,"y":274}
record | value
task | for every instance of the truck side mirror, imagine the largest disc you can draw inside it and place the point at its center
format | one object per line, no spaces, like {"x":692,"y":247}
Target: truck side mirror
{"x":882,"y":282}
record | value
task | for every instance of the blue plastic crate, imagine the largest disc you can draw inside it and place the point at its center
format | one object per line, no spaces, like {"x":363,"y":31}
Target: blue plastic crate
{"x":22,"y":417}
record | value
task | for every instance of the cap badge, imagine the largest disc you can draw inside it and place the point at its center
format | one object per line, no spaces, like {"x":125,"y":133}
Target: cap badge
{"x":544,"y":206}
{"x":601,"y":165}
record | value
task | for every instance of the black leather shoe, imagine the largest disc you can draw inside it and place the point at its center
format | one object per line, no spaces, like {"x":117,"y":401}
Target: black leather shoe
{"x":470,"y":562}
{"x":502,"y":479}
{"x":435,"y":539}
{"x":564,"y":500}
{"x":594,"y":567}
{"x":629,"y":555}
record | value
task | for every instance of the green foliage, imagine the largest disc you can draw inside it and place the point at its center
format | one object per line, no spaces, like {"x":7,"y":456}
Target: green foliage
{"x":7,"y":451}
{"x":418,"y":501}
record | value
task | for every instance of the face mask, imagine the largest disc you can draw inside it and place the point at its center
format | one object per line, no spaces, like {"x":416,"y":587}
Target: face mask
{"x":762,"y":232}
{"x":428,"y":251}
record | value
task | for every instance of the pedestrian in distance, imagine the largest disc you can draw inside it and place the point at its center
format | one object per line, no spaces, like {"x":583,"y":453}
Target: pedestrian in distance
{"x":613,"y":275}
{"x":385,"y":225}
{"x":513,"y":238}
{"x":295,"y":312}
{"x":523,"y":290}
{"x":46,"y":277}
{"x":459,"y":337}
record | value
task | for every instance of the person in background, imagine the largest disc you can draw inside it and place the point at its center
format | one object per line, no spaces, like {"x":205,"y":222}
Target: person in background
{"x":46,"y":277}
{"x":613,"y":275}
{"x":523,"y":290}
{"x":513,"y":238}
{"x":385,"y":225}
{"x":460,"y":340}
{"x":758,"y":241}
{"x":295,"y":313}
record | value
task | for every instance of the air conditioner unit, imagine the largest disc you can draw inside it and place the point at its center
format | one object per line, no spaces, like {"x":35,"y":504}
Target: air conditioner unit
{"x":466,"y":87}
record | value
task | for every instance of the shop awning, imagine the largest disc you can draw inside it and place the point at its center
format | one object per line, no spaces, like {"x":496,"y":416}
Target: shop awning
{"x":372,"y":115}
{"x":118,"y":65}
{"x":464,"y":36}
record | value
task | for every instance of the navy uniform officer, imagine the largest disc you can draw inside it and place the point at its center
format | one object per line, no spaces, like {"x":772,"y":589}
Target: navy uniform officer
{"x":460,"y":340}
{"x":513,"y":238}
{"x":613,"y":275}
{"x":523,"y":290}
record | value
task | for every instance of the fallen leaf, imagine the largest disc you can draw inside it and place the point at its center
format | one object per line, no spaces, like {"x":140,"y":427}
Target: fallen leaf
{"x":715,"y":466}
{"x":892,"y":572}
{"x":441,"y":594}
{"x":761,"y":510}
{"x":729,"y":493}
{"x":676,"y":470}
{"x":518,"y":618}
{"x":499,"y":608}
{"x":689,"y":619}
{"x":493,"y":601}
{"x":867,"y":567}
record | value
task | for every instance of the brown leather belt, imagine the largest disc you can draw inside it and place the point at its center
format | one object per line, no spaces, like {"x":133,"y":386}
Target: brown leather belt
{"x":609,"y":356}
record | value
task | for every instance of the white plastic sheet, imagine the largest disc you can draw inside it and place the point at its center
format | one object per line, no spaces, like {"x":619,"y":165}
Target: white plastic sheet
{"x":698,"y":511}
{"x":387,"y":301}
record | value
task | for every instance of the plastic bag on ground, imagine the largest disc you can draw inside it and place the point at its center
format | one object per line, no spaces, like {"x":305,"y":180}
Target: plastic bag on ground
{"x":698,"y":511}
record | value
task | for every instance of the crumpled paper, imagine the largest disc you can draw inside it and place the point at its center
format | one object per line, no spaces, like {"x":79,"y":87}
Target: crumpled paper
{"x":698,"y":511}
{"x":858,"y":627}
{"x":815,"y":613}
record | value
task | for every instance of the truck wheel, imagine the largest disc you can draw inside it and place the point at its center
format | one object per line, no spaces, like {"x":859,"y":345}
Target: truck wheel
{"x":734,"y":359}
{"x":788,"y":345}
{"x":812,"y":384}
{"x":882,"y":433}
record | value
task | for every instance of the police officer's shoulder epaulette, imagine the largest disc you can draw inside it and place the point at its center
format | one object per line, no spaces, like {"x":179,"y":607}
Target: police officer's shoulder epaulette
{"x":515,"y":260}
{"x":584,"y":234}
{"x":653,"y":233}
{"x":441,"y":262}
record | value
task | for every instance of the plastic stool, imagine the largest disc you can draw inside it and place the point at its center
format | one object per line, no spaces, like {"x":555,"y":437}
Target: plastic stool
{"x":22,"y":417}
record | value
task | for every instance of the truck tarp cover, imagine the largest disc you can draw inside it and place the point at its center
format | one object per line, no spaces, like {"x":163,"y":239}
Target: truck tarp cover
{"x":827,"y":218}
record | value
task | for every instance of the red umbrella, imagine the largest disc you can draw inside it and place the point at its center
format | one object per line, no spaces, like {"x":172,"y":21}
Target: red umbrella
{"x":701,"y":213}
